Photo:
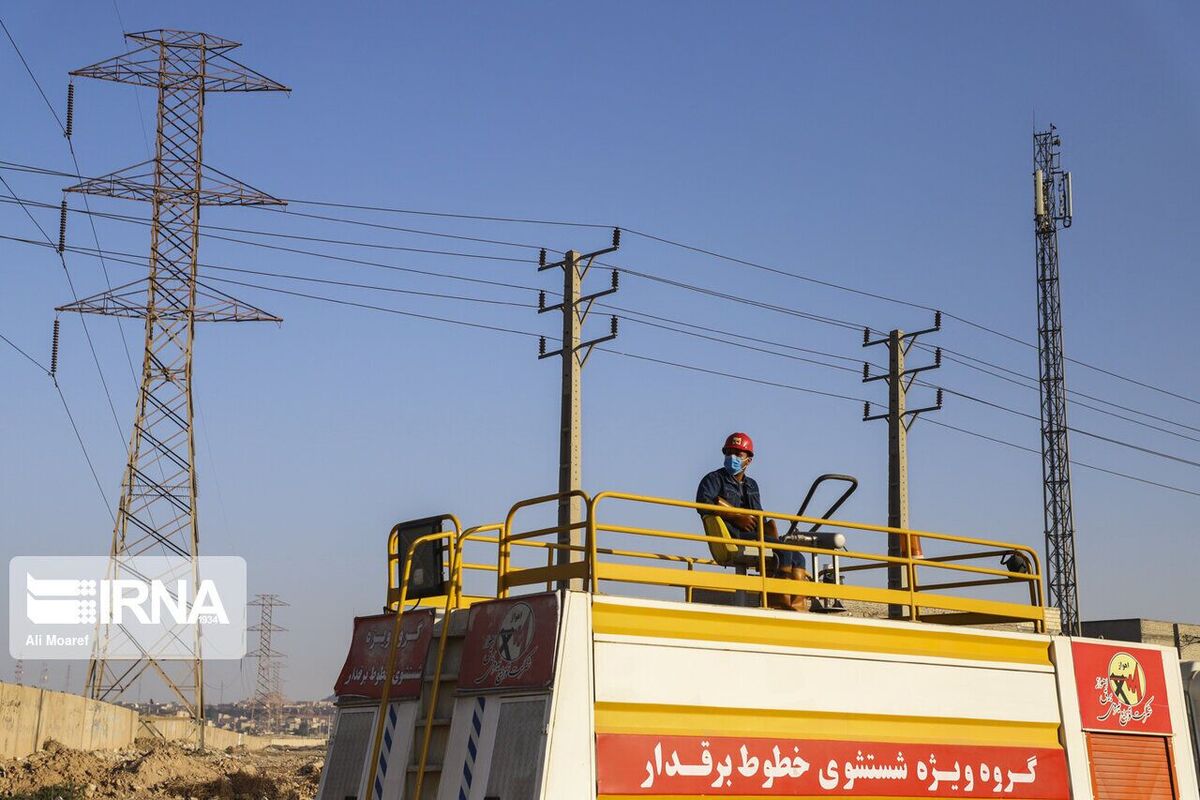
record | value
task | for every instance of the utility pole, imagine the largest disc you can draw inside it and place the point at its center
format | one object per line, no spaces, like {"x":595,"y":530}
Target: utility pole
{"x":900,"y":418}
{"x":157,"y":507}
{"x":1052,"y":207}
{"x":268,"y":692}
{"x":575,"y":308}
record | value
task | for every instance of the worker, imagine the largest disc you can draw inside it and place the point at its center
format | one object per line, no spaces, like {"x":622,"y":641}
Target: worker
{"x":731,"y":486}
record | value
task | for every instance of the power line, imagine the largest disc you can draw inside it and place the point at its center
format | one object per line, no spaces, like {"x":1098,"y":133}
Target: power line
{"x":692,"y":333}
{"x":1073,"y":429}
{"x":682,"y":245}
{"x":32,"y":77}
{"x":30,"y":358}
{"x":680,"y":365}
{"x":75,"y":296}
{"x":371,"y":307}
{"x":1074,"y":462}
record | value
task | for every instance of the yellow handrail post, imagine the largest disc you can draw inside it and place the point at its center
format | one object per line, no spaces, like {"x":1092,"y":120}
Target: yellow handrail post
{"x":762,"y":562}
{"x":593,"y":581}
{"x":911,"y":567}
{"x":385,"y":693}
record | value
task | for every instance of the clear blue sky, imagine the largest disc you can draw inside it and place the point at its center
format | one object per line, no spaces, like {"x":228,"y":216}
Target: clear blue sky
{"x":879,"y":145}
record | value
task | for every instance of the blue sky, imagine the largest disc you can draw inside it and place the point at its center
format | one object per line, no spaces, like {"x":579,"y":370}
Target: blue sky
{"x":881,"y":146}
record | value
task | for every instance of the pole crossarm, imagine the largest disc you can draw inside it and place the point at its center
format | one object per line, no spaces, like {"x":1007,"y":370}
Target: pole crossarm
{"x":144,"y":65}
{"x":137,"y":182}
{"x":129,"y":302}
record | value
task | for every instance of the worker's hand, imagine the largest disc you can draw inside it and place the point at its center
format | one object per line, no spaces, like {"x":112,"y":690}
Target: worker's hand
{"x":744,"y":522}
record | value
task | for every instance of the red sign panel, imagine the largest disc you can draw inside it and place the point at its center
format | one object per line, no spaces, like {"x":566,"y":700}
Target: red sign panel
{"x":366,"y":664}
{"x":1121,"y":688}
{"x":636,"y":764}
{"x":510,"y":644}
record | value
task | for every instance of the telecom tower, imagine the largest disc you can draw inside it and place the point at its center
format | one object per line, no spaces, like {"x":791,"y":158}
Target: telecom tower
{"x":268,"y":693}
{"x":156,"y":513}
{"x":1052,"y":210}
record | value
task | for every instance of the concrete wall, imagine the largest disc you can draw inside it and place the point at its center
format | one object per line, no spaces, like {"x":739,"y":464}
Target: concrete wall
{"x":29,"y":716}
{"x":182,"y":730}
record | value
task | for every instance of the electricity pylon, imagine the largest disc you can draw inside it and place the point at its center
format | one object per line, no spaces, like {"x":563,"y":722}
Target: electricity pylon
{"x":157,"y":507}
{"x":268,"y":692}
{"x":574,"y":353}
{"x":1052,"y":207}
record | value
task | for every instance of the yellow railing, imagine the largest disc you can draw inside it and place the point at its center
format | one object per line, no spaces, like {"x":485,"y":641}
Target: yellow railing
{"x":927,"y":579}
{"x":589,"y":565}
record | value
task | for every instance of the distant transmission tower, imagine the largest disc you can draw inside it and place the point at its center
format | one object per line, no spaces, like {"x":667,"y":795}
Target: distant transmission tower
{"x":19,"y":672}
{"x":1052,"y":210}
{"x":156,"y":513}
{"x":268,"y":693}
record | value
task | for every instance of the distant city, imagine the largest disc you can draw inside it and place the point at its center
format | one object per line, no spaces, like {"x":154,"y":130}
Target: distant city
{"x":298,"y":718}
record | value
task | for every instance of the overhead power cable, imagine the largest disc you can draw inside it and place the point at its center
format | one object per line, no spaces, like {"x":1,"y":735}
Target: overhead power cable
{"x":1072,"y":429}
{"x":702,"y":251}
{"x":679,"y":365}
{"x":697,"y":332}
{"x":75,"y":297}
{"x":30,"y":358}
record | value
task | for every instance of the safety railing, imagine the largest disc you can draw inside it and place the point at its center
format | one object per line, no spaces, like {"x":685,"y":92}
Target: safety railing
{"x":933,"y":585}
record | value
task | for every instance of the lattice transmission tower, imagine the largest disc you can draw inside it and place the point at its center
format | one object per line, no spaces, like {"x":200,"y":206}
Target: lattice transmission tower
{"x":156,"y":512}
{"x":268,"y":691}
{"x":1052,"y":210}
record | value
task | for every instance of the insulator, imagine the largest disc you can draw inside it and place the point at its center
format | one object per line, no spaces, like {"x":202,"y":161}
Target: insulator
{"x":70,"y":110}
{"x":866,"y":335}
{"x":937,"y":357}
{"x":541,"y":301}
{"x":616,"y":279}
{"x":614,"y":325}
{"x":616,"y":237}
{"x":866,"y":410}
{"x":62,"y":226}
{"x":542,"y":258}
{"x":541,"y":345}
{"x":54,"y":350}
{"x":939,"y":398}
{"x":937,"y":320}
{"x":866,"y":370}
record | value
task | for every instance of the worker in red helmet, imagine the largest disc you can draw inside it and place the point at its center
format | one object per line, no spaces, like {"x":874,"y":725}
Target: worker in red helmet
{"x":730,"y":486}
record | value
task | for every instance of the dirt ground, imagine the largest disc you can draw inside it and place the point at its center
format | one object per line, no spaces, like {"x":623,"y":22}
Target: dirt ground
{"x":162,"y":771}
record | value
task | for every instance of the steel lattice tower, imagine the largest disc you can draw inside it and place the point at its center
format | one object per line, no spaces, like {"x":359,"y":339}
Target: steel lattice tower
{"x":268,"y":692}
{"x":1052,"y":210}
{"x":156,"y":513}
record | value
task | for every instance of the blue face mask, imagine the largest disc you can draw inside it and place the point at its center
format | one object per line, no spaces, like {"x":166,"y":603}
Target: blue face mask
{"x":733,"y":464}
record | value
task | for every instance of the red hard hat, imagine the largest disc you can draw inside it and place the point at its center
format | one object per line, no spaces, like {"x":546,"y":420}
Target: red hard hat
{"x":738,"y":441}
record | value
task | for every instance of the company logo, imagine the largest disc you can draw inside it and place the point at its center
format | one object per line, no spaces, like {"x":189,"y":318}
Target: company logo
{"x":130,"y":607}
{"x":509,"y":652}
{"x":1123,"y":691}
{"x":69,"y":602}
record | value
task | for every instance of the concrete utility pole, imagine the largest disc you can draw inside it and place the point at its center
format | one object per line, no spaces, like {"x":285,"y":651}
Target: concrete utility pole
{"x":574,"y":353}
{"x":1052,"y":209}
{"x":900,"y":418}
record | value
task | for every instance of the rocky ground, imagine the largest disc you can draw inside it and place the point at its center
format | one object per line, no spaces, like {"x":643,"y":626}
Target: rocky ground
{"x":156,"y":770}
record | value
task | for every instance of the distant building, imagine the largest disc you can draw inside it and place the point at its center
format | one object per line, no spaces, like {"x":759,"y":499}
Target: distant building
{"x":1182,"y":636}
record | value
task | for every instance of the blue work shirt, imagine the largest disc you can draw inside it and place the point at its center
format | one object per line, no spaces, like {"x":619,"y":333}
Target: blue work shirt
{"x":739,"y":494}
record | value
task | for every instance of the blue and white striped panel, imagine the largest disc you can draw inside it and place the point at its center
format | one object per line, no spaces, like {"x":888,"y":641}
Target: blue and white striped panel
{"x":464,"y":788}
{"x":385,"y":752}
